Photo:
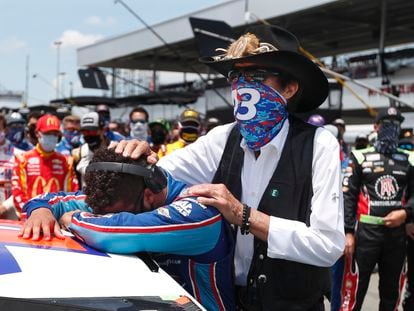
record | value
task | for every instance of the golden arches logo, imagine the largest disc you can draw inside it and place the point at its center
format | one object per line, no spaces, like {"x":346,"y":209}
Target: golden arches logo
{"x":51,"y":121}
{"x":46,"y":186}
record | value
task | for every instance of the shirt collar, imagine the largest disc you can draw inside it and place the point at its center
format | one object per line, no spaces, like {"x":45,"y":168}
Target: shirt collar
{"x":277,"y":142}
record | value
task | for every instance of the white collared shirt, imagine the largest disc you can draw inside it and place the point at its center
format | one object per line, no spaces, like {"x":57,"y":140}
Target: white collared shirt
{"x":322,"y":243}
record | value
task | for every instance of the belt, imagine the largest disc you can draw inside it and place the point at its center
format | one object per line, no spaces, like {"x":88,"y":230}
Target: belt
{"x":372,"y":220}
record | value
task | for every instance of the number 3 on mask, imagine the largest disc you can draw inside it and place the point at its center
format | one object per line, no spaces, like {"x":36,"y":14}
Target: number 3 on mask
{"x":251,"y":96}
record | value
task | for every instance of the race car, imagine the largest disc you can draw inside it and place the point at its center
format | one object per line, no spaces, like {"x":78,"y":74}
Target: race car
{"x":69,"y":275}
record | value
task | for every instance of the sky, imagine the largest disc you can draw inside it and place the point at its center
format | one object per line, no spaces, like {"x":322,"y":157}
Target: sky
{"x":29,"y":29}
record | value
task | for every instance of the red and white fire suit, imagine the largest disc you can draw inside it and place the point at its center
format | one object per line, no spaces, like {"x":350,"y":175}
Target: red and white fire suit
{"x":36,"y":172}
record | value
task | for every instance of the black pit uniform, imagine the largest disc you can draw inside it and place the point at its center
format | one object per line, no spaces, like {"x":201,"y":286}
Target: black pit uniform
{"x":387,"y":181}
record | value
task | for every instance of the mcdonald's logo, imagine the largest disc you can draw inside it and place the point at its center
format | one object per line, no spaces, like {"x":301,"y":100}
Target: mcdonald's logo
{"x":52,"y":185}
{"x":52,"y":121}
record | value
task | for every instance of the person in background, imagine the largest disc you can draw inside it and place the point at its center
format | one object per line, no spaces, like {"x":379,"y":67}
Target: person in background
{"x":7,"y":154}
{"x":138,"y":124}
{"x":384,"y":174}
{"x":105,"y":119}
{"x":158,"y":137}
{"x":316,"y":119}
{"x":42,"y":169}
{"x":118,"y":126}
{"x":71,"y":135}
{"x":406,"y":143}
{"x":361,"y":142}
{"x":93,"y":133}
{"x":189,"y":126}
{"x":340,"y":124}
{"x":16,"y":132}
{"x":32,"y":118}
{"x":211,"y":123}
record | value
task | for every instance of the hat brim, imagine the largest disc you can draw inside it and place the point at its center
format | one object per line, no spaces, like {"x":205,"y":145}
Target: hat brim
{"x":314,"y":87}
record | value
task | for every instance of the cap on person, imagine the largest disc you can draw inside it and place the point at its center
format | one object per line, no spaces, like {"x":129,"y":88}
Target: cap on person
{"x":340,"y":122}
{"x":389,"y":113}
{"x":48,"y":123}
{"x":15,"y":118}
{"x":90,"y":121}
{"x":275,"y":48}
{"x":190,"y":115}
{"x":316,"y":119}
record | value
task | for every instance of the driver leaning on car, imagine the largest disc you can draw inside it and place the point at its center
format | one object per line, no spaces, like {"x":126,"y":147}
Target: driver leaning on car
{"x":149,"y":217}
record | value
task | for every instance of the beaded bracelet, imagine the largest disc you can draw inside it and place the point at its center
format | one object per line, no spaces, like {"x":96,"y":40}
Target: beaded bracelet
{"x":245,"y":227}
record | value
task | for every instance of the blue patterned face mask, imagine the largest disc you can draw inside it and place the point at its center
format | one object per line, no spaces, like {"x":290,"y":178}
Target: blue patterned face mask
{"x":388,"y":134}
{"x":72,"y":137}
{"x":15,"y":135}
{"x":259,"y":110}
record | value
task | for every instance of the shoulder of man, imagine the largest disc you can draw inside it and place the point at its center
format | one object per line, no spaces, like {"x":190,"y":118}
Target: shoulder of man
{"x":367,"y":154}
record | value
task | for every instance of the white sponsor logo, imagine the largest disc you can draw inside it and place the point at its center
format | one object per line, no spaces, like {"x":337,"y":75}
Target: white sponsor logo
{"x":373,"y":157}
{"x":164,"y":212}
{"x":183,"y":207}
{"x":386,"y":187}
{"x":34,"y":161}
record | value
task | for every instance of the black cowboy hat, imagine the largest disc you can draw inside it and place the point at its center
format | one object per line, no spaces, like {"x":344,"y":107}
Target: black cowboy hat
{"x":314,"y":87}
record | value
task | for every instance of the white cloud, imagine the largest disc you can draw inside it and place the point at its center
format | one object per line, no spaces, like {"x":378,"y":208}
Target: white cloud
{"x":11,"y":45}
{"x":99,"y":21}
{"x":74,"y":38}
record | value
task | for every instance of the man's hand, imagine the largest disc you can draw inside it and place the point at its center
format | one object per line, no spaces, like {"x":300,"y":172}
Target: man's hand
{"x":395,"y":218}
{"x":349,"y":245}
{"x":41,"y":221}
{"x":66,"y":219}
{"x":409,"y":229}
{"x":219,"y":196}
{"x":134,"y":149}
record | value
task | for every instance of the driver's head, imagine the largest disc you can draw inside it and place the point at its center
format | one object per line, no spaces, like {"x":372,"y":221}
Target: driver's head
{"x":112,"y":192}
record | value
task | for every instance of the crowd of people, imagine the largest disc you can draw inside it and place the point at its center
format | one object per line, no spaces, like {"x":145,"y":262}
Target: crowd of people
{"x":269,"y":212}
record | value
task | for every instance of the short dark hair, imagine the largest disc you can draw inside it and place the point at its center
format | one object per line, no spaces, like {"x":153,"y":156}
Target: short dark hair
{"x":103,"y":188}
{"x":139,"y":109}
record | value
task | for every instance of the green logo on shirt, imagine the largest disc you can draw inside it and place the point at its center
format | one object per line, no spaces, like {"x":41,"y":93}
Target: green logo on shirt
{"x":275,"y":193}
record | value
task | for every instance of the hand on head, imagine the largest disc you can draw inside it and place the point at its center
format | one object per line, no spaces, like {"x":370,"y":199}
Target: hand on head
{"x":134,"y":149}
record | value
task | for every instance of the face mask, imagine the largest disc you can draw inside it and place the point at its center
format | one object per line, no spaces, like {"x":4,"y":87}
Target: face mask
{"x":93,"y":141}
{"x":16,"y":135}
{"x":260,"y":112}
{"x":387,"y":140}
{"x":139,"y":130}
{"x":72,"y":137}
{"x":48,"y":142}
{"x":2,"y":137}
{"x":189,"y":134}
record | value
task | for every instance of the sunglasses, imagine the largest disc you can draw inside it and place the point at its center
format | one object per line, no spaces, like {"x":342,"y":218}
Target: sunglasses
{"x":251,"y":75}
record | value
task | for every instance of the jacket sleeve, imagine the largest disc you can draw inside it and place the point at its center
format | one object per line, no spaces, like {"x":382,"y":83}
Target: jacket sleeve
{"x":183,"y":227}
{"x":19,"y":182}
{"x":59,"y":203}
{"x":351,"y":188}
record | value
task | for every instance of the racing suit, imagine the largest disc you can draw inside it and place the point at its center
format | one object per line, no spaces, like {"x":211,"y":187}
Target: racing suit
{"x":385,"y":181}
{"x":37,"y":172}
{"x":197,"y":239}
{"x":7,"y":153}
